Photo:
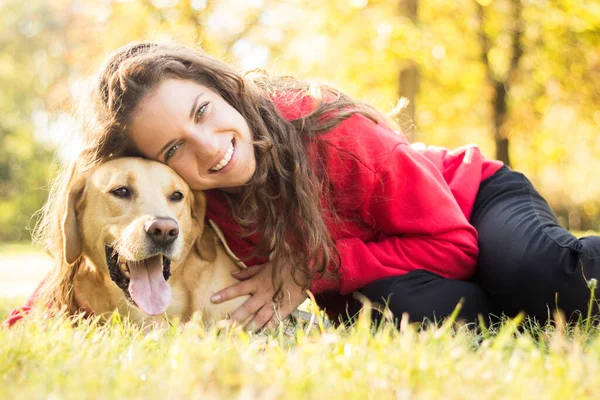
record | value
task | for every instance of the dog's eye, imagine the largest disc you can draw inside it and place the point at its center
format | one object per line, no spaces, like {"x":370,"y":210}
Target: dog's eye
{"x":176,"y":196}
{"x":122,"y":192}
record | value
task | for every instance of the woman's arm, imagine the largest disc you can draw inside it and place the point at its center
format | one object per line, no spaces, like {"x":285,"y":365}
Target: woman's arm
{"x":418,"y":222}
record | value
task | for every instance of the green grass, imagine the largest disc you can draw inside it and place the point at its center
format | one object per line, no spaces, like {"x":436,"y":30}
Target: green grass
{"x":51,"y":358}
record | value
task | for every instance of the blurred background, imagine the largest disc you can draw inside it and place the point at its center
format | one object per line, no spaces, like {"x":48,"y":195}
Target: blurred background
{"x":521,"y":78}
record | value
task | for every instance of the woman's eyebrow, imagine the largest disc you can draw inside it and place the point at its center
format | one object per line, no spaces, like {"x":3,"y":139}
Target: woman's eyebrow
{"x":195,"y":105}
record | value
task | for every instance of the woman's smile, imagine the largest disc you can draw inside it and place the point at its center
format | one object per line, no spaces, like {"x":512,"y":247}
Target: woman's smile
{"x":226,"y":160}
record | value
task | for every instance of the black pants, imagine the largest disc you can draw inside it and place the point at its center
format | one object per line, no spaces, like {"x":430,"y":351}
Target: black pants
{"x":527,"y":262}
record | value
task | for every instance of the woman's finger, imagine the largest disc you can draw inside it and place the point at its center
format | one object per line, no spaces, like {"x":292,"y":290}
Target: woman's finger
{"x":236,"y":290}
{"x":285,"y":308}
{"x":247,"y":273}
{"x":261,"y":318}
{"x":248,"y":309}
{"x":272,"y":324}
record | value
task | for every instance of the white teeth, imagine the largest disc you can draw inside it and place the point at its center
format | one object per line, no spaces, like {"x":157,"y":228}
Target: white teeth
{"x":125,"y":270}
{"x":225,"y":159}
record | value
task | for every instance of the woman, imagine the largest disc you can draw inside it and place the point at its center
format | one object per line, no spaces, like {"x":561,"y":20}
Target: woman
{"x":316,"y":190}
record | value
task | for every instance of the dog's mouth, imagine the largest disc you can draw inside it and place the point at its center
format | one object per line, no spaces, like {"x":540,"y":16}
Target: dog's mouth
{"x":143,"y":282}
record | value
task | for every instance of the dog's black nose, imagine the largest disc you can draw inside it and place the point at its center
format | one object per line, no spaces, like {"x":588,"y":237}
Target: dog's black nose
{"x":162,"y":231}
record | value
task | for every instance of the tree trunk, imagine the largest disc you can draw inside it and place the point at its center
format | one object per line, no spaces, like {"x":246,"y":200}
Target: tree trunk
{"x":409,"y":73}
{"x":500,"y":114}
{"x":501,"y":86}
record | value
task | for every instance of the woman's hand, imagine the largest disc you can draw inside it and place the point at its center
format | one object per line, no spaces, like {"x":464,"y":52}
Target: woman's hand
{"x":259,"y":310}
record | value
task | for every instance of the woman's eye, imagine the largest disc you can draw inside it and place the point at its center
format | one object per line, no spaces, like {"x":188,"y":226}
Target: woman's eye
{"x":201,"y":110}
{"x":176,"y":196}
{"x":171,"y":152}
{"x":121,"y":192}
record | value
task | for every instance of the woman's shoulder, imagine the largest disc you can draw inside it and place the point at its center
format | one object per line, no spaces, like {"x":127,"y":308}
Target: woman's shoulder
{"x":293,"y":104}
{"x":357,"y":142}
{"x":361,"y":140}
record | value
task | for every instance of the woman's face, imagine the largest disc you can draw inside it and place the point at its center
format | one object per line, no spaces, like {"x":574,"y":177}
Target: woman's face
{"x":197,"y":133}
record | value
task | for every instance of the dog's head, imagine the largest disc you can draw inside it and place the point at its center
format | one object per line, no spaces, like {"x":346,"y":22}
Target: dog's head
{"x":137,"y":220}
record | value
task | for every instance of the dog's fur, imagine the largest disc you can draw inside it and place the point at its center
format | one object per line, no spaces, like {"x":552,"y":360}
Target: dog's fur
{"x":97,"y":217}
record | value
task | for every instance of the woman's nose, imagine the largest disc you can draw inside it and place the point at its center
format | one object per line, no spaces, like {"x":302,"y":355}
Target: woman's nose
{"x":205,"y":143}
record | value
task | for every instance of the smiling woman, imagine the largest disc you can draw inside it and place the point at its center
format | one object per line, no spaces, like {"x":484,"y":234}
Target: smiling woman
{"x":209,"y":146}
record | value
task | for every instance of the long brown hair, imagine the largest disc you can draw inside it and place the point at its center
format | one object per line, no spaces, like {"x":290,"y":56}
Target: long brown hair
{"x":283,"y":198}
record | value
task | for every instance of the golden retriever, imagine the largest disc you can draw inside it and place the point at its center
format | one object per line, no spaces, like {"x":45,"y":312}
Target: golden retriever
{"x":138,"y":237}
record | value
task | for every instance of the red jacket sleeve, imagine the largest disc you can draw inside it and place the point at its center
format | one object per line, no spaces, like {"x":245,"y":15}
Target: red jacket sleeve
{"x":19,"y":313}
{"x":417,"y":221}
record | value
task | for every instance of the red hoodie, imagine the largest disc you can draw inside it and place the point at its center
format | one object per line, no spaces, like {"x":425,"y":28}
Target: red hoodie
{"x":18,"y":313}
{"x":400,"y":207}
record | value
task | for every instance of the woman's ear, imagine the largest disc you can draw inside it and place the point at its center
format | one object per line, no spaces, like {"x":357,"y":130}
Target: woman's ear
{"x":69,"y":229}
{"x":205,"y":242}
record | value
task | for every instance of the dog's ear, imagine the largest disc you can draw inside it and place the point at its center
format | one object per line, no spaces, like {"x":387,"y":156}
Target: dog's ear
{"x":206,"y":245}
{"x":205,"y":242}
{"x":70,"y":232}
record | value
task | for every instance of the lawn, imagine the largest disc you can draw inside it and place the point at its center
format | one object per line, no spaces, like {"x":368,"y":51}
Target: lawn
{"x":50,"y":358}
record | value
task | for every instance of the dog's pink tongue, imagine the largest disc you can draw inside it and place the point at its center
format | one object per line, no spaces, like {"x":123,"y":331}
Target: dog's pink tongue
{"x":148,"y":287}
